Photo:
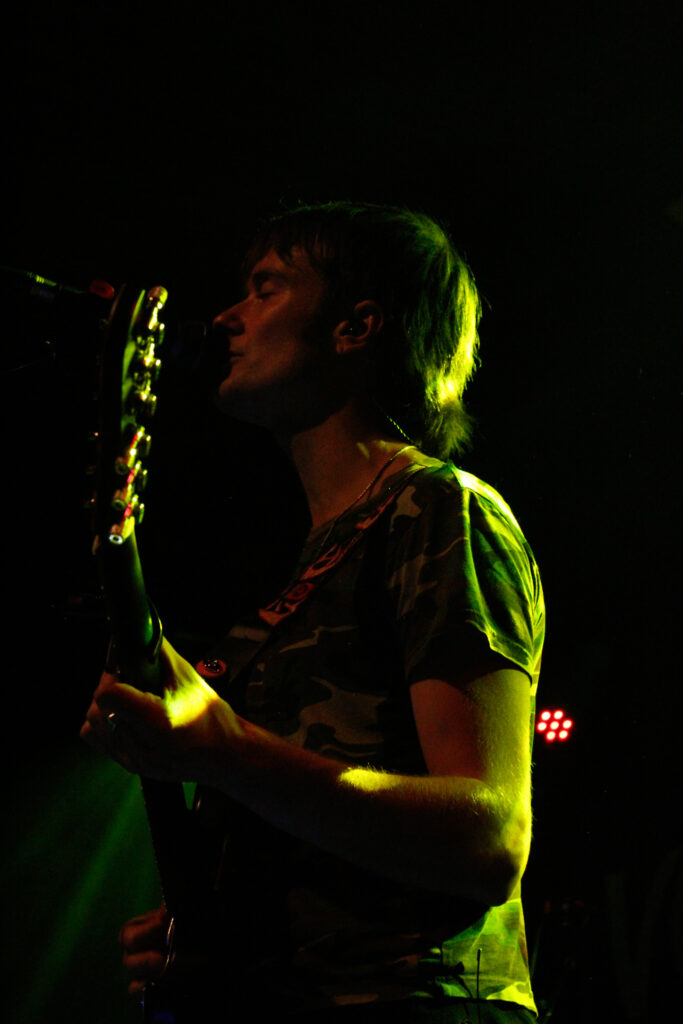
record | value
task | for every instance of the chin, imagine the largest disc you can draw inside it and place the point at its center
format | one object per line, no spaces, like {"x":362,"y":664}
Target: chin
{"x":241,"y":406}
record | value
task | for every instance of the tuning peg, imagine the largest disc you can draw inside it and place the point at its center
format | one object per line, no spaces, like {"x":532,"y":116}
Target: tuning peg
{"x":128,"y":508}
{"x":154,"y":301}
{"x":143,"y":444}
{"x":137,"y":441}
{"x":142,"y":404}
{"x":123,"y":499}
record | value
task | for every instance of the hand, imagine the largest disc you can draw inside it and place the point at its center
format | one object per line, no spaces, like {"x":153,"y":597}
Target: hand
{"x":145,"y":947}
{"x":181,"y":736}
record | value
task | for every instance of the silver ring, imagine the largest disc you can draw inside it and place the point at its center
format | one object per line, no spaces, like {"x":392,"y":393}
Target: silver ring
{"x":112,"y":721}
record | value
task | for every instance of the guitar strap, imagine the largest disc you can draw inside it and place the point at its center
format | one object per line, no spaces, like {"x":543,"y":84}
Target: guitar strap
{"x":292,"y":598}
{"x":231,"y":676}
{"x":299,"y":591}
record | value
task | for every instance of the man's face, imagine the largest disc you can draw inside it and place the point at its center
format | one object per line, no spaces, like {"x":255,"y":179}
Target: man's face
{"x":278,"y":373}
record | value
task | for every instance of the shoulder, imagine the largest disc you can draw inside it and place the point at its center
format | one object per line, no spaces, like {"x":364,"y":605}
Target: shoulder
{"x":441,"y":496}
{"x":451,"y":529}
{"x":457,"y":556}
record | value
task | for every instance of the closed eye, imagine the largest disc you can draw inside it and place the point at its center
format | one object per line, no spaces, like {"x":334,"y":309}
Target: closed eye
{"x":265,"y":282}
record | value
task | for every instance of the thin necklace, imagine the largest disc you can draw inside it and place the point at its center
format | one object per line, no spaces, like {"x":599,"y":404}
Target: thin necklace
{"x":366,"y":490}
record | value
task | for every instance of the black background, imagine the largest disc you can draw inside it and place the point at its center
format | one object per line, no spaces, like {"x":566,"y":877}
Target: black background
{"x":143,"y":144}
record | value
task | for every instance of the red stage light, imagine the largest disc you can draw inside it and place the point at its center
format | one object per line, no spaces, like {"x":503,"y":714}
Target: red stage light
{"x":555,"y":725}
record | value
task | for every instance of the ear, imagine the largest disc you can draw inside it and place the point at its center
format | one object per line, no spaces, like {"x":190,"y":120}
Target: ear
{"x":356,"y":332}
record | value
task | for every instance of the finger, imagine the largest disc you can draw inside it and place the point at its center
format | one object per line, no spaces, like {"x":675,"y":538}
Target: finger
{"x":149,"y":964}
{"x":136,"y":989}
{"x":158,"y":915}
{"x":113,"y":736}
{"x":100,"y":723}
{"x":124,"y":724}
{"x":145,"y":932}
{"x":108,"y":681}
{"x":90,"y":736}
{"x":143,"y":712}
{"x":97,"y":730}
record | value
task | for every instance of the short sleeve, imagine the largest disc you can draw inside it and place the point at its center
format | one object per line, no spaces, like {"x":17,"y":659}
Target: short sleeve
{"x":461,"y":569}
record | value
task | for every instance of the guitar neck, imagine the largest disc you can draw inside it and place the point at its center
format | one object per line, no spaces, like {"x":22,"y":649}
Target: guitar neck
{"x":134,"y":652}
{"x":134,"y":624}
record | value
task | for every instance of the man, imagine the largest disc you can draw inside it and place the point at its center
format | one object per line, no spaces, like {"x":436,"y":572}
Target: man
{"x":374,"y":719}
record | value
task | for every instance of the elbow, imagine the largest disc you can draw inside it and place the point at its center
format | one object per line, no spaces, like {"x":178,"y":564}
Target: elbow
{"x":505,"y":861}
{"x":502,"y":878}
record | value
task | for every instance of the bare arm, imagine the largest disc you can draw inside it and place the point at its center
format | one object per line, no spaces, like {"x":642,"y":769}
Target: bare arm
{"x":463,"y":829}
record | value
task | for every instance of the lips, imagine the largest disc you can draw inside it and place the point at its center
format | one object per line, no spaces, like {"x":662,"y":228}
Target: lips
{"x":223,"y":366}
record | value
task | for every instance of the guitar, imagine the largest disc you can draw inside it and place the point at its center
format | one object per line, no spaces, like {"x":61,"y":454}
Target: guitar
{"x":128,"y":367}
{"x":209,"y":884}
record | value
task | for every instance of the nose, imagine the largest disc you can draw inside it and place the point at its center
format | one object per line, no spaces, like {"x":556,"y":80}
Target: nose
{"x":229,"y":320}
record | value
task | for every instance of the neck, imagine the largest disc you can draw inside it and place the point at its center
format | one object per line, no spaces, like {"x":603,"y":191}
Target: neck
{"x":336,"y":459}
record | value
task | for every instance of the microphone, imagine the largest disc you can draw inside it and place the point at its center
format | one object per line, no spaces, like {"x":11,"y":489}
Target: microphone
{"x":48,"y":324}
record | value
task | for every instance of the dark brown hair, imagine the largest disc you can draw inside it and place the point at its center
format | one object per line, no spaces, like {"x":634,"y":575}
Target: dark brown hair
{"x":425,"y":354}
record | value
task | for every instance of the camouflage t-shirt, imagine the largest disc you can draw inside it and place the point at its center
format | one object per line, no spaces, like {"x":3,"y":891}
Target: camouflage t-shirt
{"x":410,"y":586}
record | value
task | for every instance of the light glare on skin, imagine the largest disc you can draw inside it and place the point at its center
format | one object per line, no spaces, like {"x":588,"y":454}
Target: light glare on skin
{"x":368,"y":780}
{"x":186,"y":705}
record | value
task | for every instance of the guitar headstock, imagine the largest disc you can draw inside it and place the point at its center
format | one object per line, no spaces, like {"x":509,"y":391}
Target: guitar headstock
{"x":129,"y":367}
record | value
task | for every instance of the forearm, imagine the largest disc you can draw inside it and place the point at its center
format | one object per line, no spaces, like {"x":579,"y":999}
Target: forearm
{"x":463,"y":829}
{"x":446,"y":833}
